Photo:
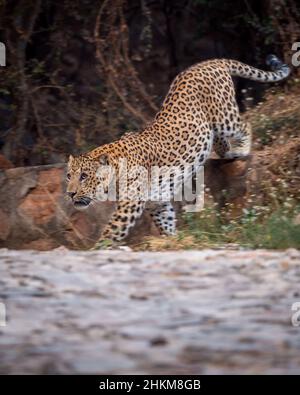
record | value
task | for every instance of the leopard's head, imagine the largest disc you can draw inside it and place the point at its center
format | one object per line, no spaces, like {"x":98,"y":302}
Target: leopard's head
{"x":88,"y":179}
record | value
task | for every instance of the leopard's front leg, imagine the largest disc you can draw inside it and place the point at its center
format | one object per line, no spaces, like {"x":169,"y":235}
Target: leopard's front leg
{"x":122,"y":220}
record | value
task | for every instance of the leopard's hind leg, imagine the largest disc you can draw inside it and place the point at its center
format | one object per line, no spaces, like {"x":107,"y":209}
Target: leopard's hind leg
{"x":234,"y":142}
{"x":221,"y":146}
{"x":240,"y":142}
{"x":163,"y":216}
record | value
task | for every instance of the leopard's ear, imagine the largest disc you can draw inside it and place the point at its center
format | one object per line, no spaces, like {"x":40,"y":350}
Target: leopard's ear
{"x":103,"y":159}
{"x":71,"y":158}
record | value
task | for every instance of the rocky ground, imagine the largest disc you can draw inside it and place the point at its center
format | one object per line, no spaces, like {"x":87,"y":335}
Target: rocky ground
{"x":124,"y":312}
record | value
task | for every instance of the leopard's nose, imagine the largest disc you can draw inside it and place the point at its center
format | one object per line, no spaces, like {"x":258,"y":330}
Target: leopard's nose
{"x":71,"y":194}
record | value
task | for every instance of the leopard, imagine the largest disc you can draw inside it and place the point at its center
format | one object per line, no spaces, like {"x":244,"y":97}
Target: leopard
{"x":199,"y":115}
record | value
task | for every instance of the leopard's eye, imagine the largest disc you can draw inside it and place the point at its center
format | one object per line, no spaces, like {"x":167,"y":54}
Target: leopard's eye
{"x":83,"y":176}
{"x":68,"y":176}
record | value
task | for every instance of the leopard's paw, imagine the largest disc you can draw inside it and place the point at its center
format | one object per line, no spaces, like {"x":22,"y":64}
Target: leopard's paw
{"x":236,"y":155}
{"x":105,"y":244}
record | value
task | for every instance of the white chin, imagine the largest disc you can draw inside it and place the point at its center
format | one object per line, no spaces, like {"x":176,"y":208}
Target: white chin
{"x":81,"y":207}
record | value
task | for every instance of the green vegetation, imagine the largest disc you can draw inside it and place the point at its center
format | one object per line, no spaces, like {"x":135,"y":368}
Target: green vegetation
{"x":255,"y":228}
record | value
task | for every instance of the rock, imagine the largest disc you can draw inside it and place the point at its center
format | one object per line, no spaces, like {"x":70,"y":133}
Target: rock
{"x":4,"y":225}
{"x":40,"y":245}
{"x":119,"y":312}
{"x":41,"y":203}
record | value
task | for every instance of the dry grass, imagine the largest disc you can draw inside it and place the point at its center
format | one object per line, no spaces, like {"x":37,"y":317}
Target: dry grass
{"x":164,"y":243}
{"x":277,"y":117}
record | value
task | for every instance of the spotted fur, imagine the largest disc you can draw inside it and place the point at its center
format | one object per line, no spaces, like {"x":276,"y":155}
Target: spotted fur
{"x":199,"y":114}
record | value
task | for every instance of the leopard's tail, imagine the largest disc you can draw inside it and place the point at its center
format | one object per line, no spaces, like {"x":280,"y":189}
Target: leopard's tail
{"x":278,"y":73}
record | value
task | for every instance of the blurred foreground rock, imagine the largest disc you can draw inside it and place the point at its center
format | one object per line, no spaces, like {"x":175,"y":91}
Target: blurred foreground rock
{"x":115,"y":312}
{"x":34,"y":213}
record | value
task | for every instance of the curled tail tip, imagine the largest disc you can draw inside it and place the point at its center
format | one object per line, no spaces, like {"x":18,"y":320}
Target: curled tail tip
{"x":273,"y":62}
{"x":277,"y":65}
